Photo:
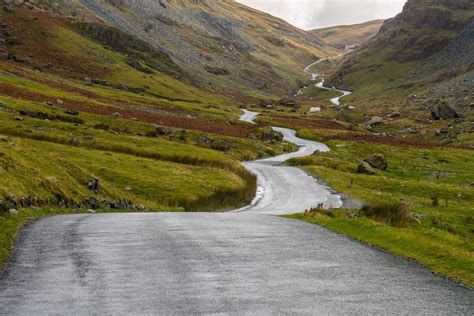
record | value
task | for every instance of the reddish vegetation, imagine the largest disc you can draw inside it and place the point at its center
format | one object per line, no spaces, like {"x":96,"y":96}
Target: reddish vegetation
{"x":389,"y":140}
{"x":214,"y":127}
{"x":312,"y":124}
{"x":37,"y":40}
{"x":120,"y":100}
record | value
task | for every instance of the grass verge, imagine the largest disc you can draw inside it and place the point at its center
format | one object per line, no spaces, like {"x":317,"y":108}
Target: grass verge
{"x":435,"y":184}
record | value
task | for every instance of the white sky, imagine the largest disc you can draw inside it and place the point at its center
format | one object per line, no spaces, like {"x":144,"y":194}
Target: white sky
{"x":312,"y":14}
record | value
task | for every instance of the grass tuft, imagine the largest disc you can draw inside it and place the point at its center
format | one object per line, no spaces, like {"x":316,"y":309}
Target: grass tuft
{"x":391,"y":213}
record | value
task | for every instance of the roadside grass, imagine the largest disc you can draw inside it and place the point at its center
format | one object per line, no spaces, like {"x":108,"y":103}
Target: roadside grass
{"x":48,"y":171}
{"x":313,"y":92}
{"x":435,"y":184}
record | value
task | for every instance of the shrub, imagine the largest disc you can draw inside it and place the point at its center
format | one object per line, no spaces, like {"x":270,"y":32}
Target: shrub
{"x":391,"y":213}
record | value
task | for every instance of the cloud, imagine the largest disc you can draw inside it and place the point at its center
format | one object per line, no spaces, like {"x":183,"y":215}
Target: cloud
{"x":311,"y":14}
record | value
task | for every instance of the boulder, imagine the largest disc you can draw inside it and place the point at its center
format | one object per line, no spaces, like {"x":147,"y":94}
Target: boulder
{"x":223,"y":145}
{"x":71,"y":112}
{"x":377,"y":161}
{"x":442,"y":111}
{"x":13,"y":211}
{"x":446,"y":141}
{"x":94,"y":185}
{"x":91,"y":203}
{"x":98,"y":81}
{"x":204,"y":140}
{"x":271,"y":135}
{"x":116,"y":115}
{"x":365,"y":168}
{"x":395,"y":115}
{"x":163,"y":131}
{"x":376,"y":120}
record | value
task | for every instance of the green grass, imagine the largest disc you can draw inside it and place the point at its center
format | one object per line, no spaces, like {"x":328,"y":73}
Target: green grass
{"x":48,"y":170}
{"x":436,"y":186}
{"x":313,"y":92}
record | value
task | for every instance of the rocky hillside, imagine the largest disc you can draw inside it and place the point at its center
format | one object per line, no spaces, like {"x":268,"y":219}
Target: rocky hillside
{"x":222,"y":45}
{"x":421,"y":64}
{"x":429,"y":42}
{"x":349,"y":35}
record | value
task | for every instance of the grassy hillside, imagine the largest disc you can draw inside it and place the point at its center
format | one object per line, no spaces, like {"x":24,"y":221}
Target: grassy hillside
{"x":81,"y":100}
{"x":349,"y":35}
{"x":220,"y":45}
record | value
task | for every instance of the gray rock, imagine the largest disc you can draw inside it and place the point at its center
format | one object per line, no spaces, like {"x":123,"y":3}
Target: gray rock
{"x":13,"y":211}
{"x":395,"y":115}
{"x":271,"y":135}
{"x":377,"y":161}
{"x":223,"y":145}
{"x":204,"y":140}
{"x":446,"y":141}
{"x":376,"y":120}
{"x":442,"y":111}
{"x":116,"y":115}
{"x":94,"y":185}
{"x":98,"y":81}
{"x":365,"y":168}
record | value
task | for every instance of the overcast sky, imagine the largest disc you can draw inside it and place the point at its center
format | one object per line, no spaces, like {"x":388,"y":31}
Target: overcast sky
{"x":311,"y":14}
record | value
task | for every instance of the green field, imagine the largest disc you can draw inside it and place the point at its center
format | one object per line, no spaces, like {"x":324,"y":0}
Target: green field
{"x":436,"y":184}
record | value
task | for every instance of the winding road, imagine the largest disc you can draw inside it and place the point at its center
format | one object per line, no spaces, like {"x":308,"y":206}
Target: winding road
{"x":287,"y":190}
{"x":314,"y":77}
{"x":242,"y":262}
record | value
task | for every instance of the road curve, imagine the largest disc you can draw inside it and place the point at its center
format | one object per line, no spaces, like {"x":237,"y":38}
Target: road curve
{"x":227,"y":263}
{"x":314,"y":77}
{"x":283,"y":189}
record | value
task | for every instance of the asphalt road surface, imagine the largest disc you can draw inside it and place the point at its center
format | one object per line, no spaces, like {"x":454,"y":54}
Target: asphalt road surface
{"x":212,"y":263}
{"x":244,"y":262}
{"x":287,"y":190}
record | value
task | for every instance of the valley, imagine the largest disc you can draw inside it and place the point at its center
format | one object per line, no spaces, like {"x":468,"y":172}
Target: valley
{"x":204,"y":157}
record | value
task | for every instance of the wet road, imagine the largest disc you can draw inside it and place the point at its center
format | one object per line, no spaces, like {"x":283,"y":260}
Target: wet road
{"x":212,"y":263}
{"x":287,"y":190}
{"x":230,"y":263}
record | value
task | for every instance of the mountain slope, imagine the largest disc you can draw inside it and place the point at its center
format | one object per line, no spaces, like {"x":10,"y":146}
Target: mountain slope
{"x":349,"y":35}
{"x":411,"y":51}
{"x":421,"y":63}
{"x":222,"y":45}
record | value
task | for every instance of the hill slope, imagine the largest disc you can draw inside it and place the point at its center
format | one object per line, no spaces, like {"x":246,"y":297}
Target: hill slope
{"x":349,"y":35}
{"x":220,"y":44}
{"x":408,"y":50}
{"x":421,"y":63}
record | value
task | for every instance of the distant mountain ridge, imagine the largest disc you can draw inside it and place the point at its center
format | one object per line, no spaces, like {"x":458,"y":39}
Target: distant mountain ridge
{"x":349,"y":35}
